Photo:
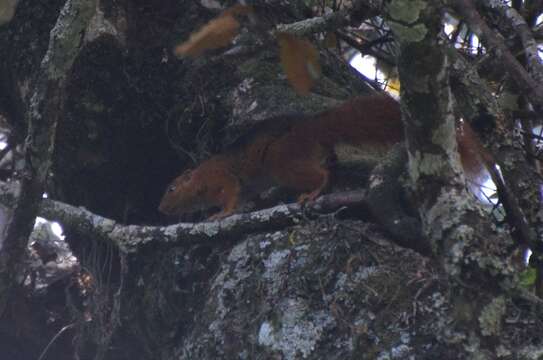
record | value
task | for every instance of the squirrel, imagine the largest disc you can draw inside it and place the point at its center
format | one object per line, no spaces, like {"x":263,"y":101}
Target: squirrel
{"x":294,"y":152}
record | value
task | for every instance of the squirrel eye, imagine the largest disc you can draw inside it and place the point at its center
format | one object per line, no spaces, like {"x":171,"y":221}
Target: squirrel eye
{"x":171,"y":188}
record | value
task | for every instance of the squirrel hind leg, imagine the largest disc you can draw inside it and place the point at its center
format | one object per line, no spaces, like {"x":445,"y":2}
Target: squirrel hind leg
{"x":313,"y":180}
{"x":324,"y":175}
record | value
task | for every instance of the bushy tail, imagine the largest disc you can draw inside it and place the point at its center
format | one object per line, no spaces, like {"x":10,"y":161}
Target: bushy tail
{"x":372,"y":120}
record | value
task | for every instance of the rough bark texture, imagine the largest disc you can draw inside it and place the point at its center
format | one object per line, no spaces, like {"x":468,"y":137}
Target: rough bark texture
{"x":459,"y":232}
{"x":110,"y":116}
{"x":45,"y":107}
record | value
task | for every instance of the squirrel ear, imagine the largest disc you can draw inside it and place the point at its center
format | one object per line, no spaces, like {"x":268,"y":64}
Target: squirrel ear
{"x":186,"y":175}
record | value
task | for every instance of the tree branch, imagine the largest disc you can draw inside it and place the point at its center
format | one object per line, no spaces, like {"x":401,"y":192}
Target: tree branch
{"x":332,"y":21}
{"x":327,"y":22}
{"x":517,"y":22}
{"x":457,"y":228}
{"x":129,"y":238}
{"x":472,"y":93}
{"x":529,"y":87}
{"x":46,"y":106}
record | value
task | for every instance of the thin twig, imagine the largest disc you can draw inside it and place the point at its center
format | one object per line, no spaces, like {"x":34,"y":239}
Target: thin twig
{"x":60,"y":332}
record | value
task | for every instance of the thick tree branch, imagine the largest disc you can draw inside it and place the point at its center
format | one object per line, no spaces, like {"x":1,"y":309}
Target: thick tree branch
{"x":457,"y":229}
{"x":521,"y":196}
{"x":46,"y":106}
{"x":473,"y":95}
{"x":129,"y":238}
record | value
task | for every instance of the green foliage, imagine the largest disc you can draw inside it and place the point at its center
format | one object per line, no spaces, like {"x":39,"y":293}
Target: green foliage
{"x":527,"y":277}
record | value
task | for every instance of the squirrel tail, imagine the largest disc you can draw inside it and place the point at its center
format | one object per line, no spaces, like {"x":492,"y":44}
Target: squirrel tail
{"x":372,"y":120}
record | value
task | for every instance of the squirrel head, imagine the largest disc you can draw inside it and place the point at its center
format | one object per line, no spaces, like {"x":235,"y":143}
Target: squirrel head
{"x":186,"y":193}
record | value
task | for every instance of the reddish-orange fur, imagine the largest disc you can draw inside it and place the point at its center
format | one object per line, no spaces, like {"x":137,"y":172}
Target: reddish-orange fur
{"x":295,"y":154}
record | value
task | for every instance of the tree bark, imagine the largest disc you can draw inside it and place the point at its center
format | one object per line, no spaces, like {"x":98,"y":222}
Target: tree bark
{"x":45,"y":108}
{"x":110,"y":116}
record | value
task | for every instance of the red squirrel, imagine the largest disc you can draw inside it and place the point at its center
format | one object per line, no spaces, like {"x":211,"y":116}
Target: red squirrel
{"x":294,"y":152}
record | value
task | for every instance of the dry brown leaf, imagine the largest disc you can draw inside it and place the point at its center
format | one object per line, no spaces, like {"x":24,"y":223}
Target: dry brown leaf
{"x":217,"y":33}
{"x":300,"y":61}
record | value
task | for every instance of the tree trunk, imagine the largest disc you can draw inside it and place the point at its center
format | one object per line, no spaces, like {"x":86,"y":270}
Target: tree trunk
{"x":393,"y":262}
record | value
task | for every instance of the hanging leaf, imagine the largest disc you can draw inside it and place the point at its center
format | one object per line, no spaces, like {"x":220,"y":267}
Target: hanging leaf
{"x":217,"y":33}
{"x":300,"y":62}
